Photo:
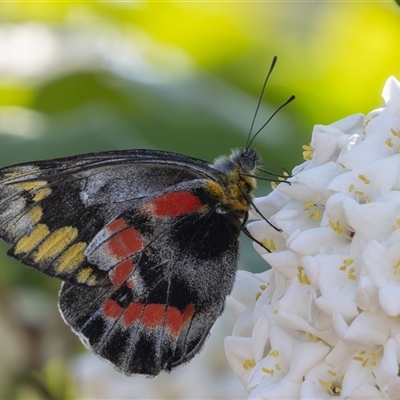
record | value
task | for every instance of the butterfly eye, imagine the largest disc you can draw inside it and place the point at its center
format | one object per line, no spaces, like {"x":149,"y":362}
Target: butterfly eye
{"x":247,"y":163}
{"x":248,"y":159}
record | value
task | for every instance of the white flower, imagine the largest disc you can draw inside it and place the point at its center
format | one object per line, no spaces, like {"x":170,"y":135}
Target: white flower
{"x":325,"y":320}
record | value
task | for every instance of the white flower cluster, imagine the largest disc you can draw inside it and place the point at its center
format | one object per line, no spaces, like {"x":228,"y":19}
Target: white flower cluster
{"x":325,"y":320}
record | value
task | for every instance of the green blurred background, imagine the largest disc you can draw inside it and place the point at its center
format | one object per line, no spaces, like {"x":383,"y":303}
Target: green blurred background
{"x":181,"y":76}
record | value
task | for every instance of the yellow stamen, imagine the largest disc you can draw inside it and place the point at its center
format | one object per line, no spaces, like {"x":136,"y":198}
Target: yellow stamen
{"x":364,"y":179}
{"x":308,"y":152}
{"x":248,"y":364}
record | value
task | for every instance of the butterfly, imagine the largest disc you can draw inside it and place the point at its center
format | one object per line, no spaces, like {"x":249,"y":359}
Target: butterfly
{"x":146,"y":243}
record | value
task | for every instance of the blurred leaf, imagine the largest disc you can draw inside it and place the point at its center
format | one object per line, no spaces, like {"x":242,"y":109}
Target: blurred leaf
{"x":201,"y":117}
{"x":71,"y":91}
{"x":57,"y":379}
{"x":54,"y":382}
{"x":13,"y":93}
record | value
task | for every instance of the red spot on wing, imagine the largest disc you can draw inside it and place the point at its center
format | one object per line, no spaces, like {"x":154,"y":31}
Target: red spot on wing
{"x":125,"y":243}
{"x":174,"y":204}
{"x":153,"y":315}
{"x":112,"y":309}
{"x":188,"y":314}
{"x":130,"y":282}
{"x":121,"y":272}
{"x":116,"y":226}
{"x":173,"y":320}
{"x":132,"y":313}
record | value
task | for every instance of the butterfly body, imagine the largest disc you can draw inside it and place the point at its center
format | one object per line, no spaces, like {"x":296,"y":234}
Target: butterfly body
{"x":145,"y":242}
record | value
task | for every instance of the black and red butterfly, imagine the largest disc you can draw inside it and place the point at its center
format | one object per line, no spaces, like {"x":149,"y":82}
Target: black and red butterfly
{"x":145,"y":242}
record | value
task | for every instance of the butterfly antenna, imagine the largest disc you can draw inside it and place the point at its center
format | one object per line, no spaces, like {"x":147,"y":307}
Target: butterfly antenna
{"x":271,"y":68}
{"x":291,"y":98}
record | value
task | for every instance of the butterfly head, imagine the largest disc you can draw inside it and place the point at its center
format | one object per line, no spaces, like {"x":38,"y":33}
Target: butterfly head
{"x":244,"y":161}
{"x":247,"y":159}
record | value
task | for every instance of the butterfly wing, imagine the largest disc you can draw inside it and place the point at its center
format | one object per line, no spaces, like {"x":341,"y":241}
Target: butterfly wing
{"x":168,"y":286}
{"x":63,"y":203}
{"x":146,"y":258}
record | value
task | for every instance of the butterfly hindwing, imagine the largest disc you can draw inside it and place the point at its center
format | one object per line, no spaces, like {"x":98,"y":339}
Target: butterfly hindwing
{"x":168,"y":284}
{"x":146,"y":254}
